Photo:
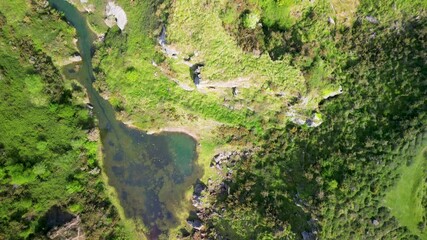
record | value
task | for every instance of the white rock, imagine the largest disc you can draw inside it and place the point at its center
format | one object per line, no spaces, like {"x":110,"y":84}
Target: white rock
{"x":118,"y":13}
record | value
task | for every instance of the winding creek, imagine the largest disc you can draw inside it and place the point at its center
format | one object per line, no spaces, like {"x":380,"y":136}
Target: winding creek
{"x":150,"y":173}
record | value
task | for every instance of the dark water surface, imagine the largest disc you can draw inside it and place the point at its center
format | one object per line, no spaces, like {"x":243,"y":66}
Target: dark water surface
{"x":149,"y":172}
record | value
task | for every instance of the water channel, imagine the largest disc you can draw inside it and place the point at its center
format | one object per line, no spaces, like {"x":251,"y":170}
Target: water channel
{"x":150,"y":173}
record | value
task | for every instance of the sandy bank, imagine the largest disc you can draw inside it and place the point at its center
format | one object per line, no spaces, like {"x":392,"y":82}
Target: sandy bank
{"x":176,"y":129}
{"x":185,"y":130}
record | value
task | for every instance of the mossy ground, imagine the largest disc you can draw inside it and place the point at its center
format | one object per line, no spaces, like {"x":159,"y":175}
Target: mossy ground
{"x":405,"y":199}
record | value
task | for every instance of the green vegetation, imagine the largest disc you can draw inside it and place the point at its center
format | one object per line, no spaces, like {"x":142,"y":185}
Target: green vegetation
{"x":359,"y":175}
{"x":337,"y":173}
{"x":41,"y":24}
{"x":405,"y":200}
{"x":48,"y":167}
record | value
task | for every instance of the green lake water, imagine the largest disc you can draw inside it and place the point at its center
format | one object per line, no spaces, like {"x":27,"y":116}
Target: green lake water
{"x":149,"y":172}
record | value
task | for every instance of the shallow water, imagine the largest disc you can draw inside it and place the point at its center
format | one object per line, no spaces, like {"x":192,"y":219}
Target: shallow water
{"x":149,"y":172}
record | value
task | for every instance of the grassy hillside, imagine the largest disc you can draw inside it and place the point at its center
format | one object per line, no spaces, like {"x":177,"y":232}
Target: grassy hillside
{"x":405,"y":200}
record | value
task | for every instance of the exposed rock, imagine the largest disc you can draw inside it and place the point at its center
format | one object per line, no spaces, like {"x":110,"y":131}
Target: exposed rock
{"x":113,"y":10}
{"x":199,"y":187}
{"x":375,"y":222}
{"x":89,"y":8}
{"x":61,"y":224}
{"x":89,"y":106}
{"x":196,"y":71}
{"x":331,"y":21}
{"x":75,"y":58}
{"x":280,"y":94}
{"x":101,"y":37}
{"x":93,"y":135}
{"x":70,"y":230}
{"x":298,"y":121}
{"x":168,"y":50}
{"x":234,"y":91}
{"x":95,"y":171}
{"x":196,"y":224}
{"x":314,"y":121}
{"x":372,"y":19}
{"x":308,"y":236}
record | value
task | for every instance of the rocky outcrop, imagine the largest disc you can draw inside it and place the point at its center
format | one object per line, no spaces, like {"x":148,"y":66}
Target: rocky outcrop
{"x":61,"y":224}
{"x":196,"y":224}
{"x":115,"y":15}
{"x":196,"y":71}
{"x":372,"y":19}
{"x":199,"y":187}
{"x":308,"y":236}
{"x":229,"y":159}
{"x":70,"y":230}
{"x":313,"y":121}
{"x":203,"y":192}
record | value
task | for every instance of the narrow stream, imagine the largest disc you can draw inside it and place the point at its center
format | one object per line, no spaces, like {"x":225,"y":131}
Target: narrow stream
{"x":149,"y":172}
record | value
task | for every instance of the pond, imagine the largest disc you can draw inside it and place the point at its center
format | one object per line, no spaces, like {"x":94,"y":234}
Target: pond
{"x":150,"y":173}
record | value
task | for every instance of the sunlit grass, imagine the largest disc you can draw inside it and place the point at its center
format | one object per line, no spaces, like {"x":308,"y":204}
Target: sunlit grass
{"x":405,"y":198}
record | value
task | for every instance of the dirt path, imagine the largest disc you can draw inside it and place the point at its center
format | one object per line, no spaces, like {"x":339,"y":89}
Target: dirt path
{"x":242,"y":82}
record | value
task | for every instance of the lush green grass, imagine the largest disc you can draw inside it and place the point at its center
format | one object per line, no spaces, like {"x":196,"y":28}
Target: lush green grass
{"x":45,"y":155}
{"x":282,"y":13}
{"x":43,"y":25}
{"x":218,"y":50}
{"x":137,"y":83}
{"x":146,"y":94}
{"x":405,"y":199}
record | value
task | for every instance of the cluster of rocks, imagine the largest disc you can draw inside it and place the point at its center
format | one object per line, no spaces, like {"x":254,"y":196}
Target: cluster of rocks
{"x":115,"y":15}
{"x":313,"y":232}
{"x":62,"y":224}
{"x":313,"y":121}
{"x":308,"y":235}
{"x":229,"y":159}
{"x":199,"y":187}
{"x":196,"y":73}
{"x":199,"y":219}
{"x":70,"y":230}
{"x":204,"y":212}
{"x":95,"y":171}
